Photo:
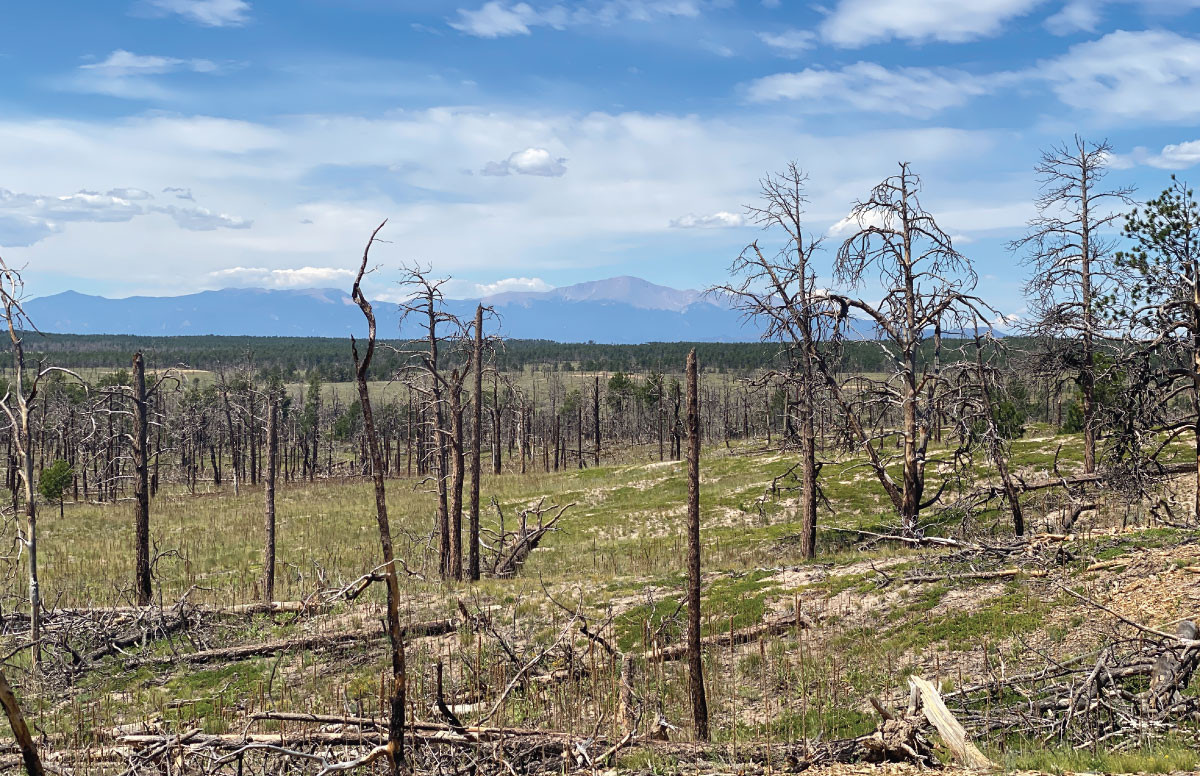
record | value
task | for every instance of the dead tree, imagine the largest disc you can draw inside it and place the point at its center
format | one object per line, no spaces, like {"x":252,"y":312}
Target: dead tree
{"x":1073,"y":269}
{"x":926,"y":284}
{"x":141,"y":483}
{"x":269,"y":492}
{"x":18,"y":406}
{"x":16,"y":720}
{"x":476,"y":443}
{"x":695,"y":665}
{"x":443,"y":395}
{"x":780,"y":291}
{"x":397,"y":691}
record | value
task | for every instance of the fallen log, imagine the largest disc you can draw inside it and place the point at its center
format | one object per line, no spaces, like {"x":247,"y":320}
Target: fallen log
{"x":1002,"y":574}
{"x":322,"y":641}
{"x":742,"y":636}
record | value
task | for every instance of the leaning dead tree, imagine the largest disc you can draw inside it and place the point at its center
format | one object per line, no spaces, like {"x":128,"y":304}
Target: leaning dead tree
{"x":1074,"y":271}
{"x":780,"y":290}
{"x":394,"y":749}
{"x":927,"y":287}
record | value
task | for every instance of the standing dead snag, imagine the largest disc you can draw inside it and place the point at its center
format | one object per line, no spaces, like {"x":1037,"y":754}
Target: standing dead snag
{"x":269,"y":493}
{"x":695,"y":666}
{"x":395,"y":745}
{"x":780,"y":291}
{"x":1073,"y":269}
{"x":926,"y":284}
{"x":141,"y":483}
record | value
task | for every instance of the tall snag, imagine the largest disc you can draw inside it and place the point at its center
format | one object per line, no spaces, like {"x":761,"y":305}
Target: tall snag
{"x":141,"y":483}
{"x":396,"y":700}
{"x":926,"y":287}
{"x":1074,"y":269}
{"x":269,"y":493}
{"x":779,"y":291}
{"x":695,"y":666}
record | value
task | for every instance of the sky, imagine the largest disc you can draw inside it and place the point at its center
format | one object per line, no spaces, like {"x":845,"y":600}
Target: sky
{"x":167,"y":146}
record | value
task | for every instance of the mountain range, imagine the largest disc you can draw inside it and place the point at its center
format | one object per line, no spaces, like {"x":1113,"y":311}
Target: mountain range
{"x":622,"y":310}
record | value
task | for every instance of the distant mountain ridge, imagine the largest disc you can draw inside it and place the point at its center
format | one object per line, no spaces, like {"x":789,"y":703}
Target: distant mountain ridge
{"x":622,"y":310}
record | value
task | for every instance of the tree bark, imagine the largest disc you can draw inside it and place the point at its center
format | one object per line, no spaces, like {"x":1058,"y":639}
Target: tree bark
{"x":695,"y":666}
{"x":269,"y":496}
{"x":141,"y":484}
{"x":16,"y":720}
{"x":476,"y":442}
{"x":398,"y":688}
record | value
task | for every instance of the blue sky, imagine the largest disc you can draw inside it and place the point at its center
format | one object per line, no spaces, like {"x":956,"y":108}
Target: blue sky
{"x":165,"y":146}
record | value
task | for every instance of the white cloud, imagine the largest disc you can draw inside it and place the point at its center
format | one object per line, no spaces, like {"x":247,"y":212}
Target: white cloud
{"x":1152,"y":75}
{"x":201,"y":219}
{"x":629,"y":172}
{"x":720,"y":219}
{"x":531,"y":161}
{"x":132,"y":76}
{"x":1076,"y":16}
{"x":210,"y":13}
{"x":123,"y":63}
{"x":302,"y":277}
{"x":28,"y":218}
{"x":789,"y":42}
{"x":859,"y":22}
{"x":499,"y":18}
{"x":1176,"y":156}
{"x":867,"y":86}
{"x":1086,"y":15}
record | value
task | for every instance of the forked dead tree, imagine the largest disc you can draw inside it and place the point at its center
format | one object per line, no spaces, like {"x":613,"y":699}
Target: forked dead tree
{"x":927,"y":286}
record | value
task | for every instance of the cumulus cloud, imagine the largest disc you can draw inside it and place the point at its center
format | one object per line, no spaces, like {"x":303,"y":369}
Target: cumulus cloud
{"x":301,"y":277}
{"x":180,"y":193}
{"x":210,"y":13}
{"x":1086,"y":15}
{"x":719,"y":220}
{"x":854,"y":23}
{"x":789,"y":42}
{"x":512,"y":284}
{"x":531,"y":161}
{"x":1147,"y":75}
{"x":28,"y":218}
{"x":867,"y":86}
{"x":455,"y":288}
{"x":1175,"y":156}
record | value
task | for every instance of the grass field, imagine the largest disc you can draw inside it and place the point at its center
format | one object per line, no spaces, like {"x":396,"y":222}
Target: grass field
{"x":618,"y":560}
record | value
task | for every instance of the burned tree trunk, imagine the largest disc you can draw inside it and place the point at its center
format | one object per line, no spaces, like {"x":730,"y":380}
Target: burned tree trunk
{"x":397,"y":691}
{"x":476,"y":441}
{"x":695,"y":666}
{"x":16,"y":720}
{"x":141,"y":484}
{"x":269,"y":495}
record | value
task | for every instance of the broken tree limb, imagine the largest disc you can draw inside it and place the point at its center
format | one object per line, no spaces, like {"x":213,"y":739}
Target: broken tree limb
{"x":16,"y":720}
{"x":952,"y":732}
